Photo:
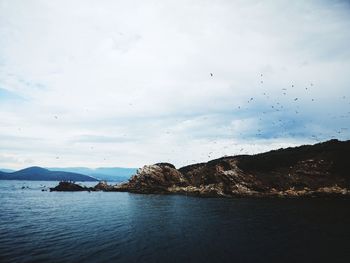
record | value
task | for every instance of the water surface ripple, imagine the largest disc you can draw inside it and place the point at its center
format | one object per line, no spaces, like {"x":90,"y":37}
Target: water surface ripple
{"x":41,"y":226}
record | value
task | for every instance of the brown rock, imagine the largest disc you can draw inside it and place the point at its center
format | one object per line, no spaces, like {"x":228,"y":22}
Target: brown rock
{"x":69,"y":186}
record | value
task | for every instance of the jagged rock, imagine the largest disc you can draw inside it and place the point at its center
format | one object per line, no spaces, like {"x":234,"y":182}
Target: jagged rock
{"x":103,"y":186}
{"x":156,"y":178}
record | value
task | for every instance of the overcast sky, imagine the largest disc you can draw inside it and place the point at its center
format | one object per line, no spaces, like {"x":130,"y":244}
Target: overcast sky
{"x":128,"y":83}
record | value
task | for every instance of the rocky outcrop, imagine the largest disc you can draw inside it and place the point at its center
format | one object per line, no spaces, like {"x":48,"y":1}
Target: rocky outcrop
{"x":156,"y":178}
{"x":103,"y":186}
{"x":316,"y":170}
{"x":69,"y":187}
{"x":305,"y":171}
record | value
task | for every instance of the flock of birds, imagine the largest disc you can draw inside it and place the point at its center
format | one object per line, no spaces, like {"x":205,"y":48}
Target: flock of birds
{"x":276,"y":120}
{"x":283,"y":125}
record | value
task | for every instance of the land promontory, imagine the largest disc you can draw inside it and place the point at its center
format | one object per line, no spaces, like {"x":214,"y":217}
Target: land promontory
{"x":316,"y":170}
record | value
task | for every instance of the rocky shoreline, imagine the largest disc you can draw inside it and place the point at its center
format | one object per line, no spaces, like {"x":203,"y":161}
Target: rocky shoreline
{"x":320,"y":170}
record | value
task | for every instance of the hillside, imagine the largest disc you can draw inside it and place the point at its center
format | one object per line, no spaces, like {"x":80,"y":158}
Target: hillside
{"x":40,"y":174}
{"x":309,"y":170}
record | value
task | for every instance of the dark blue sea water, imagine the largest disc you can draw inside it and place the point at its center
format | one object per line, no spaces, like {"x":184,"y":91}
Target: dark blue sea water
{"x":41,"y":226}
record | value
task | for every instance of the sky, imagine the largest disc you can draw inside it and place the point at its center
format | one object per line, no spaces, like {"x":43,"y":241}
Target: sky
{"x":101,"y":83}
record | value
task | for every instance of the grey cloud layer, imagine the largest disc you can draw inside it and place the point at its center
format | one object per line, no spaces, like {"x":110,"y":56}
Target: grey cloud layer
{"x":128,"y":83}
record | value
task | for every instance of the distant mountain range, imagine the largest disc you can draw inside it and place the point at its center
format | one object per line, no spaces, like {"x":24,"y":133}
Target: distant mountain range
{"x":111,"y":174}
{"x":6,"y":170}
{"x":40,"y":174}
{"x":114,"y":174}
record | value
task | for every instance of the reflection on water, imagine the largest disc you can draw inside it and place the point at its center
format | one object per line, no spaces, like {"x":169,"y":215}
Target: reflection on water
{"x":39,"y":226}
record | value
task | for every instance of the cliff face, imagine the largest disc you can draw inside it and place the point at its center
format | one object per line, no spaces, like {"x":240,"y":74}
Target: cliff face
{"x":317,"y":170}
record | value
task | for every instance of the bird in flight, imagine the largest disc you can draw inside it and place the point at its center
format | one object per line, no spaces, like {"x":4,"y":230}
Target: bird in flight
{"x":211,"y":74}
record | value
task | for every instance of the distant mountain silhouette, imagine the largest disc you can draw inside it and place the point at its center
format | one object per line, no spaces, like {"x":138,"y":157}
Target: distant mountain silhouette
{"x":40,"y":174}
{"x":6,"y":170}
{"x":110,"y":174}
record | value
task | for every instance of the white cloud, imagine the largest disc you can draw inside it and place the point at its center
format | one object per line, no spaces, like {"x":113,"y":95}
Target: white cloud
{"x":111,"y":83}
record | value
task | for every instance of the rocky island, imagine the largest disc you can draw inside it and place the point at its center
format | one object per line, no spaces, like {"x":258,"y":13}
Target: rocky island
{"x":305,"y":171}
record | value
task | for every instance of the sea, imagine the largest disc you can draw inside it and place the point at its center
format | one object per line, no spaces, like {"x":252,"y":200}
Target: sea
{"x":42,"y":226}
